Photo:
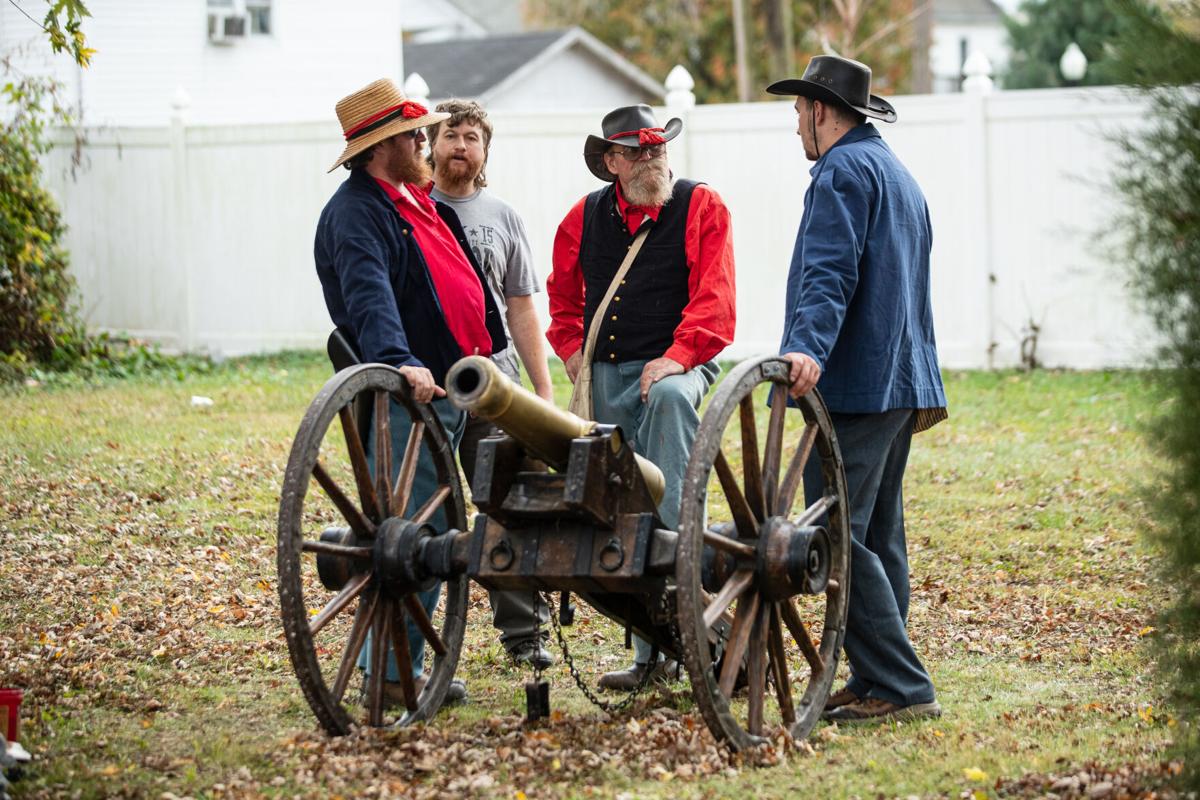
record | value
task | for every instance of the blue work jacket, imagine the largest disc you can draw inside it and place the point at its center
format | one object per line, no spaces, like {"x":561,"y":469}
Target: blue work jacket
{"x":377,"y":285}
{"x":858,"y":298}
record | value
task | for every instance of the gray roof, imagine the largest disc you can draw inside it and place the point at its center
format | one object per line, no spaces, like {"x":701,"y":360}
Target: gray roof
{"x":967,"y":11}
{"x":469,"y":67}
{"x":473,"y":67}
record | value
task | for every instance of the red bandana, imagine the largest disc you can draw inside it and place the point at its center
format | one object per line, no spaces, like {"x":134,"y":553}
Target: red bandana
{"x":646,"y":136}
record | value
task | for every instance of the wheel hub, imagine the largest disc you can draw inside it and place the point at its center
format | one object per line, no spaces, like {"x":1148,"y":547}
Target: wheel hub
{"x":397,"y":556}
{"x":793,"y":559}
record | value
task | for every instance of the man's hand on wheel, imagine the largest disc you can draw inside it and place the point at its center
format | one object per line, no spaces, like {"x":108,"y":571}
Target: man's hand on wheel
{"x":804,"y":374}
{"x":423,"y":387}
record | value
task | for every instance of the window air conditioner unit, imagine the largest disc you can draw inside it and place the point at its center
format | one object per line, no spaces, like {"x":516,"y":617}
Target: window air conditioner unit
{"x":227,"y":22}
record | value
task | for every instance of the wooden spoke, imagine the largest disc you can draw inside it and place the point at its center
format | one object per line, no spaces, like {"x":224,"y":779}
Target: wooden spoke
{"x":399,"y":635}
{"x":331,"y":549}
{"x":358,"y":461}
{"x":417,"y":611}
{"x":795,"y":471}
{"x":751,"y":468}
{"x":783,"y":687}
{"x":743,"y":517}
{"x":340,"y":600}
{"x":354,"y":645}
{"x":379,"y":646}
{"x":773,"y":453}
{"x":732,"y":589}
{"x":344,"y":504}
{"x":814,"y":512}
{"x":716,"y":540}
{"x":431,"y":505}
{"x":799,"y":632}
{"x":383,"y":451}
{"x":756,"y":666}
{"x":739,"y":638}
{"x":408,"y":469}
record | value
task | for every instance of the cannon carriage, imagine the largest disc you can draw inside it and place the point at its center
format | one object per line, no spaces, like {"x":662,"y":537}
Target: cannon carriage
{"x":749,"y":594}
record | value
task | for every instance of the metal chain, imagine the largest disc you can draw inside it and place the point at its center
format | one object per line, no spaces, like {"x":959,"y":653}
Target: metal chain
{"x":604,"y":705}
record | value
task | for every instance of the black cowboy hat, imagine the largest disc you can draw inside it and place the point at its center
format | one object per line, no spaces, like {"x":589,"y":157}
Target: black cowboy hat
{"x":631,"y":126}
{"x":833,"y":79}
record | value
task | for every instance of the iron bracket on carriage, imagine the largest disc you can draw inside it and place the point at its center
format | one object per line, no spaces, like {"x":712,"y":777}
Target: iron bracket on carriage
{"x":750,"y":594}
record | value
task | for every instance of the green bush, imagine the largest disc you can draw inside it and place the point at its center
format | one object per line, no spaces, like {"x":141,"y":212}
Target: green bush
{"x":39,"y":323}
{"x":1159,"y":53}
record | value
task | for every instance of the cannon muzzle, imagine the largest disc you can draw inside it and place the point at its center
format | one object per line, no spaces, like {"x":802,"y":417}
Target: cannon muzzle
{"x":477,"y":385}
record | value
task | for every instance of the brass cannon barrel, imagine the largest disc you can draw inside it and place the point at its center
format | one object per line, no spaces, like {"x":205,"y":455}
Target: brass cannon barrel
{"x":477,"y":385}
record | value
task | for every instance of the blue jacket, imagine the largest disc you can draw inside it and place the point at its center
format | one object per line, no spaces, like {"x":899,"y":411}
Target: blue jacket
{"x":858,"y":297}
{"x":376,"y":283}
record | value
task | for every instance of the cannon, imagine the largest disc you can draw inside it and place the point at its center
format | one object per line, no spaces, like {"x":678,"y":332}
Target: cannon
{"x":749,"y":594}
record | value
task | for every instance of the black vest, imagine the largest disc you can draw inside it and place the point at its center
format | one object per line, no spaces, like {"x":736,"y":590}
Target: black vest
{"x":641,"y":320}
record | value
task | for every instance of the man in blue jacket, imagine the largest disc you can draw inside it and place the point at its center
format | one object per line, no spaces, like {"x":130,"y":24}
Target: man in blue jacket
{"x":859,"y":327}
{"x":400,"y":279}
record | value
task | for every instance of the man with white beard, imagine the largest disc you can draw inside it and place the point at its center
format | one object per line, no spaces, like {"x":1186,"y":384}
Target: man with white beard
{"x":642,"y":296}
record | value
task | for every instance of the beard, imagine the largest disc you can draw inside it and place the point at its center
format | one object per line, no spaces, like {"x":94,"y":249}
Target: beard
{"x":403,"y":167}
{"x":460,"y":172}
{"x":649,"y":185}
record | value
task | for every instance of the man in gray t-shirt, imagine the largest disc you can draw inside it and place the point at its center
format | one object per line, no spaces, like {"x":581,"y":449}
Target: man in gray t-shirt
{"x":458,"y":150}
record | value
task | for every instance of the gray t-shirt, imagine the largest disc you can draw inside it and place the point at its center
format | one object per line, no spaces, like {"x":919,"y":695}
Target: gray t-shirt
{"x":501,"y":246}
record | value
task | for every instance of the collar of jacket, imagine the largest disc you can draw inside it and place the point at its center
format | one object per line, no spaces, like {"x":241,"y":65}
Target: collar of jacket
{"x":855,"y":134}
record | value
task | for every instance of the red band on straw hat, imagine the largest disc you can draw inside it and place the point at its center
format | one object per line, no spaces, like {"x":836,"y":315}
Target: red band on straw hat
{"x":408,"y":109}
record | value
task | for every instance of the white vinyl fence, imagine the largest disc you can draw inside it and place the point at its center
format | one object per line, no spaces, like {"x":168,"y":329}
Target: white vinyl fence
{"x":200,"y":238}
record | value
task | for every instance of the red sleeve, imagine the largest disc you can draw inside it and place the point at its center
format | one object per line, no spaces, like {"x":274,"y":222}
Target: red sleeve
{"x":711,"y":313}
{"x":564,"y":287}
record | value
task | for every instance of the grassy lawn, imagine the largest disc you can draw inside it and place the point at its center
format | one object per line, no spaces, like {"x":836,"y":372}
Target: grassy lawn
{"x":138,"y":609}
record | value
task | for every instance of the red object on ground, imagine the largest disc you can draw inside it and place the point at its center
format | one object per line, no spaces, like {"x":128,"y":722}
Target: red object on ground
{"x":10,"y":713}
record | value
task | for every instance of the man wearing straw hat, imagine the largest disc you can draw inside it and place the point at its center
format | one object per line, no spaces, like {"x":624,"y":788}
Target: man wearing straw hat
{"x":399,"y":277}
{"x":641,"y":302}
{"x":859,"y":327}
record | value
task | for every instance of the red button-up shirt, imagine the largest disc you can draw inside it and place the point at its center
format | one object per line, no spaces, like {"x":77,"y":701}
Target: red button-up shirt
{"x":454,"y":280}
{"x":710,"y":315}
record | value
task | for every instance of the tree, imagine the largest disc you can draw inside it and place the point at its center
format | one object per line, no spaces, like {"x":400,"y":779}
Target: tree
{"x":1044,"y":28}
{"x":658,"y":34}
{"x":1158,"y":51}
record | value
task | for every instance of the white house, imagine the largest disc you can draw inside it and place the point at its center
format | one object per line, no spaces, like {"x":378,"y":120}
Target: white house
{"x":237,"y":61}
{"x":962,"y":27}
{"x":563,"y":69}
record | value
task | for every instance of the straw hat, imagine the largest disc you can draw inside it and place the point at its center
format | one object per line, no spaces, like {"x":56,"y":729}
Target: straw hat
{"x":376,"y":112}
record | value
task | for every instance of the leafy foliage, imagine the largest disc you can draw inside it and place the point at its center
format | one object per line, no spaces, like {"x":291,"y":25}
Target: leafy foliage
{"x":658,"y":34}
{"x":38,"y":322}
{"x":1048,"y":26}
{"x":1160,"y":53}
{"x":64,"y":29}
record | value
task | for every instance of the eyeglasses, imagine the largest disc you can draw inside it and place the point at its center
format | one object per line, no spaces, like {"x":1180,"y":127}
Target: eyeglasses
{"x":413,"y":134}
{"x":639,"y":153}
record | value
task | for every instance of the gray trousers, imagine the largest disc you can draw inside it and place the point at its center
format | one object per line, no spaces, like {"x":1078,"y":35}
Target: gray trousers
{"x":662,"y":429}
{"x":882,"y":661}
{"x":512,"y":611}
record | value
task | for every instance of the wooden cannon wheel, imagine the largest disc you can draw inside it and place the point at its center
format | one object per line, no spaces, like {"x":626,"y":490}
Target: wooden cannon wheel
{"x":761,"y":646}
{"x":331,"y":591}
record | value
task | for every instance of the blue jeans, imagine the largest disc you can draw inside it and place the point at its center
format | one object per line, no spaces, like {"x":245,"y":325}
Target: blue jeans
{"x":882,"y":661}
{"x":662,"y":429}
{"x":424,"y":484}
